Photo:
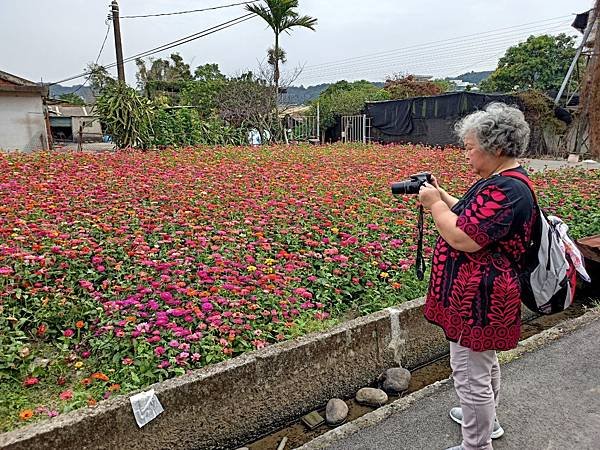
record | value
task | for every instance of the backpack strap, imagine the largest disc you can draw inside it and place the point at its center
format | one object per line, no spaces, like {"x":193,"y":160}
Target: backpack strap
{"x":523,"y":178}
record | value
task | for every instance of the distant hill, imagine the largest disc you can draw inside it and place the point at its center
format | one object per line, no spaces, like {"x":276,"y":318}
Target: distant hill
{"x":473,"y":77}
{"x":299,"y":95}
{"x":85,"y":92}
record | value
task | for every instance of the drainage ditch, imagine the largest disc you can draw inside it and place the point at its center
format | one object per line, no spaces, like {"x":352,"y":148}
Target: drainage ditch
{"x":297,"y":434}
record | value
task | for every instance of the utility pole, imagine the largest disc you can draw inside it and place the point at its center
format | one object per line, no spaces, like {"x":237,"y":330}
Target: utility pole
{"x":119,"y":48}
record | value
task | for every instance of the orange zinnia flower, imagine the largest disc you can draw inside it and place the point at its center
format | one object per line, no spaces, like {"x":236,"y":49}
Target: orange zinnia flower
{"x":100,"y":376}
{"x":80,"y":324}
{"x":26,"y":414}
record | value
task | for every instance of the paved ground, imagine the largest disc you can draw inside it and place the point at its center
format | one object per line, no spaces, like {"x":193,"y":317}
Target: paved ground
{"x":543,"y":164}
{"x":94,"y":147}
{"x":550,"y":399}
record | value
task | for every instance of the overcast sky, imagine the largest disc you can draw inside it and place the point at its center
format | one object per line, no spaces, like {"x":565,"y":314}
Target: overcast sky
{"x":52,"y":40}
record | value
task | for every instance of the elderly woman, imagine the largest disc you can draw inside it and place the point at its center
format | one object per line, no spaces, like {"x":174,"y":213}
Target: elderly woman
{"x":474,"y":293}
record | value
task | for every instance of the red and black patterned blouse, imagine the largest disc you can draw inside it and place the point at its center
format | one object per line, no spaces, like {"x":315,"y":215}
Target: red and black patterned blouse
{"x":476,"y":297}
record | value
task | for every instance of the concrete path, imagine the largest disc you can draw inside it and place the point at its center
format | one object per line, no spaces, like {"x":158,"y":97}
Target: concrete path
{"x":550,"y":399}
{"x":542,"y":164}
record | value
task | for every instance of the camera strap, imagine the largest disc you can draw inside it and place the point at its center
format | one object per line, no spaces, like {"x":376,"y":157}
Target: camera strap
{"x":420,"y":261}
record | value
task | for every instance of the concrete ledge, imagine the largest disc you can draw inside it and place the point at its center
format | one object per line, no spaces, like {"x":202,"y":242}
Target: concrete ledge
{"x":230,"y":403}
{"x":236,"y":401}
{"x":528,"y":345}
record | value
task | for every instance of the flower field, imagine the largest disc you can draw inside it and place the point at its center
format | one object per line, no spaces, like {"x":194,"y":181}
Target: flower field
{"x":118,"y":270}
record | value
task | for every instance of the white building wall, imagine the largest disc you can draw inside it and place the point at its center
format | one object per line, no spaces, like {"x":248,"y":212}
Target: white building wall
{"x":22,"y":124}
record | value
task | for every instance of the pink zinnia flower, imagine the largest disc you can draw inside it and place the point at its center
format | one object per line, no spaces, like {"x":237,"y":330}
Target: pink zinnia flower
{"x":30,"y":381}
{"x":66,"y":395}
{"x":68,"y":333}
{"x":164,"y":364}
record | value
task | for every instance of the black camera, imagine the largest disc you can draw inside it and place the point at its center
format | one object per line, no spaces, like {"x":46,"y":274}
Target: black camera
{"x":412,"y":185}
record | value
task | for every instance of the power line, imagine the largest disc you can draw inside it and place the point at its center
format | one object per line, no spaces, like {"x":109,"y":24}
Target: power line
{"x":423,"y":64}
{"x":190,"y":38}
{"x":188,"y":12}
{"x":449,"y":51}
{"x":97,"y":58}
{"x":441,"y":52}
{"x":449,"y":44}
{"x":460,"y":38}
{"x":181,"y":41}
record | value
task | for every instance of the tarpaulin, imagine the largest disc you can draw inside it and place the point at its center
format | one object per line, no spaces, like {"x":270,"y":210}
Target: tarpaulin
{"x":393,"y":118}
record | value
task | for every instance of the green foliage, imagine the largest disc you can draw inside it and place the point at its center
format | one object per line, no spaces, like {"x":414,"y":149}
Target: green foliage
{"x":539,"y":111}
{"x":204,"y":90}
{"x":409,"y":86}
{"x":100,"y":79}
{"x":280,"y":15}
{"x":127,"y":115}
{"x":248,"y":102}
{"x":541,"y":62}
{"x":166,"y":70}
{"x":186,"y":127}
{"x":72,"y":98}
{"x":344,"y":98}
{"x":473,"y":77}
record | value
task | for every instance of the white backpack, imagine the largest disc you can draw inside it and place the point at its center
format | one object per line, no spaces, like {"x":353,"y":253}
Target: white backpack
{"x":551,"y":263}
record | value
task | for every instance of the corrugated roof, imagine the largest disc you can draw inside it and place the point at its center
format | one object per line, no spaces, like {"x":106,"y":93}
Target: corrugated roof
{"x":13,"y":79}
{"x":71,"y":111}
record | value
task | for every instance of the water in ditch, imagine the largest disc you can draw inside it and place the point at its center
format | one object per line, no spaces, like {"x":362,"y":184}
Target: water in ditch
{"x":298,"y":434}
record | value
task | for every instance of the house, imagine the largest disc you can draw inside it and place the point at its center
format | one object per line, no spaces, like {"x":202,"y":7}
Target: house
{"x":67,"y":121}
{"x":23,"y":124}
{"x":460,"y":85}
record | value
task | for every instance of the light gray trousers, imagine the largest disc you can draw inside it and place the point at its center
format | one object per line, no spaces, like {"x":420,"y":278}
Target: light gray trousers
{"x":477,"y":383}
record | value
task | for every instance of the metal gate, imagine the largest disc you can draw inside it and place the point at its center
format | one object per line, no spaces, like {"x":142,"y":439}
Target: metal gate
{"x":356,"y":128}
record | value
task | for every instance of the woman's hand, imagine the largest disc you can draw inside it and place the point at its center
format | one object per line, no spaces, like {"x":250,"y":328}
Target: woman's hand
{"x":434,"y":182}
{"x":429,"y":194}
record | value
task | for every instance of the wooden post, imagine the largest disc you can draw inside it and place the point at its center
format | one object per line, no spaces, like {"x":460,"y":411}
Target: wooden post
{"x":118,"y":46}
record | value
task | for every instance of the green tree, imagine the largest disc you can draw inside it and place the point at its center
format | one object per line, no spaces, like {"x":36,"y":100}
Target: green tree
{"x":248,"y":102}
{"x":344,"y":98}
{"x":541,"y":62}
{"x":203,"y":91}
{"x":163,"y":77}
{"x":409,"y":86}
{"x":72,"y":98}
{"x":127,"y":115}
{"x":281,"y":16}
{"x":99,"y":78}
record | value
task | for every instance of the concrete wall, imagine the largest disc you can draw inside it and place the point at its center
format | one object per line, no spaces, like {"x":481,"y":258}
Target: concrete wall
{"x":228,"y":404}
{"x":22,"y":124}
{"x":91,"y":132}
{"x":235,"y":402}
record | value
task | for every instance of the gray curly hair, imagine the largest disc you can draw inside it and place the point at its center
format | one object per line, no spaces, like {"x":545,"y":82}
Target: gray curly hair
{"x":497,"y":127}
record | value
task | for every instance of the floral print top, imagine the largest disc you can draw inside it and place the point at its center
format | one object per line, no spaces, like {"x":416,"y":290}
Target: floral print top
{"x":476,"y":297}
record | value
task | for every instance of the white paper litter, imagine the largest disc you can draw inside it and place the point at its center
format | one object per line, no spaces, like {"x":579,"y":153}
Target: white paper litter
{"x":146,"y":407}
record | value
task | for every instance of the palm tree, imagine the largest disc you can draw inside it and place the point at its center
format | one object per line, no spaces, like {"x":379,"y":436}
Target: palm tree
{"x":280,"y":15}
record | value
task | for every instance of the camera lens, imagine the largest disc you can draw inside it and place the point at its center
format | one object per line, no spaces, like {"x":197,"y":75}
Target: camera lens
{"x":406,"y":187}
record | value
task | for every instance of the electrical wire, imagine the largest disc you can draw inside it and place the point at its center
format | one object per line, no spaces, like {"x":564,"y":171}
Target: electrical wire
{"x":97,"y":58}
{"x":439,"y":55}
{"x":187,"y":12}
{"x":181,"y":41}
{"x":410,"y":58}
{"x":449,"y":45}
{"x":461,"y":38}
